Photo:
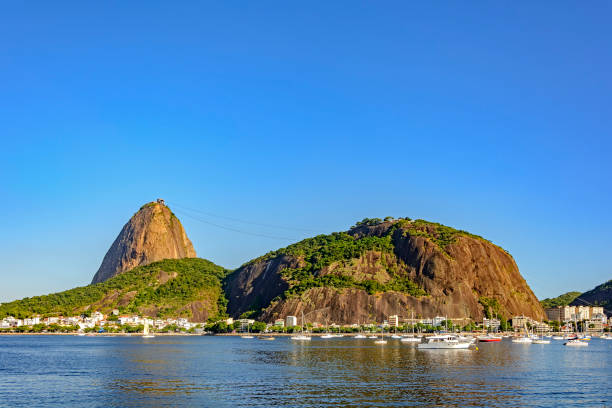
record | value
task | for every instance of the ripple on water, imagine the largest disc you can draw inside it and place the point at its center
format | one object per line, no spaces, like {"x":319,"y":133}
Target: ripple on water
{"x":222,"y":371}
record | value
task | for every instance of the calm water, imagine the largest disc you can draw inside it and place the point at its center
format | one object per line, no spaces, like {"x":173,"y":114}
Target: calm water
{"x":228,"y":371}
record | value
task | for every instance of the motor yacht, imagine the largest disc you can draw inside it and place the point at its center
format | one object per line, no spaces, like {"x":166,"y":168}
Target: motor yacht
{"x":447,"y":341}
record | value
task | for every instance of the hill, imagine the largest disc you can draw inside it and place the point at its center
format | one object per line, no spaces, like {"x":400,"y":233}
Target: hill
{"x":189,"y":287}
{"x":379,"y":268}
{"x":600,"y":296}
{"x":152,"y":234}
{"x":562,"y":300}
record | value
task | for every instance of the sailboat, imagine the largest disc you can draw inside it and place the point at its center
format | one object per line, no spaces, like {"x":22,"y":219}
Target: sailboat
{"x":146,"y":334}
{"x":523,"y":339}
{"x":540,"y":340}
{"x":302,"y":336}
{"x":412,"y":339}
{"x":327,"y":334}
{"x":576,"y":342}
{"x":382,"y":337}
{"x":248,"y":335}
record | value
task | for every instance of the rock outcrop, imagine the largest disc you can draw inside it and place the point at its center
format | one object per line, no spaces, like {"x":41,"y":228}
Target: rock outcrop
{"x":152,"y":234}
{"x":601,"y":295}
{"x":373,"y":271}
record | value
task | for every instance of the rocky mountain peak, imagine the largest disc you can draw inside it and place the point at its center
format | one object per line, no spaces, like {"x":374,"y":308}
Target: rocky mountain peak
{"x":152,"y":234}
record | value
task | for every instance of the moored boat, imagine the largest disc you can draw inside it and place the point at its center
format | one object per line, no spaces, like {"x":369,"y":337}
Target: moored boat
{"x":447,"y":341}
{"x":488,"y":338}
{"x":410,"y":339}
{"x":576,"y":343}
{"x":522,"y":340}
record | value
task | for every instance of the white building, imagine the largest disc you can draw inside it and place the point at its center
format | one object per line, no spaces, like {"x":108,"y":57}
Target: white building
{"x":279,"y":323}
{"x":394,"y":320}
{"x":291,"y":321}
{"x":438,"y":320}
{"x":492,"y":324}
{"x":31,"y":321}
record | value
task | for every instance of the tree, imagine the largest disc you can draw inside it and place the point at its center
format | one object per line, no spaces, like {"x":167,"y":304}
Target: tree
{"x":258,"y":327}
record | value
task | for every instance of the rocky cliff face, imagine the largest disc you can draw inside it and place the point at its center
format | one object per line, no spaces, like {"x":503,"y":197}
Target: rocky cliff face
{"x":600,"y":296}
{"x":152,"y":234}
{"x":373,"y":271}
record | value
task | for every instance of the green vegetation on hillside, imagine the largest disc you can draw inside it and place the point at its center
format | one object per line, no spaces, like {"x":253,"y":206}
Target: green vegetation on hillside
{"x":439,"y":234}
{"x":318,"y":252}
{"x":562,"y":300}
{"x":166,"y":288}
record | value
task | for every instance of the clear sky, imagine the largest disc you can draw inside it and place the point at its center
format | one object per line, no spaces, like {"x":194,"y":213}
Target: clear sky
{"x":494,"y":118}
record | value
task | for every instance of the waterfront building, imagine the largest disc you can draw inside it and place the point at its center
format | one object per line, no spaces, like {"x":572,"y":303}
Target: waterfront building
{"x":582,"y":313}
{"x":540,"y":327}
{"x":279,"y":323}
{"x":567,"y":313}
{"x":518,"y":322}
{"x":554,"y":314}
{"x":438,"y":320}
{"x":491,"y":324}
{"x":31,"y":321}
{"x":394,"y":320}
{"x":594,"y":326}
{"x":291,"y":321}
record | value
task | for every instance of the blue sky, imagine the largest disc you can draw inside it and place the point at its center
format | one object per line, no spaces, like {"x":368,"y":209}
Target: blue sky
{"x":494,"y":118}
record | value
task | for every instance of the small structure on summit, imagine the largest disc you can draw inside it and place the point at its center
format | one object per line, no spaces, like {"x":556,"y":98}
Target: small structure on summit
{"x":161,"y":201}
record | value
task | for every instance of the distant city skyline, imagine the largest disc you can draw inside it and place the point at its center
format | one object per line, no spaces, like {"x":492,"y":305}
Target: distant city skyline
{"x":261,"y":125}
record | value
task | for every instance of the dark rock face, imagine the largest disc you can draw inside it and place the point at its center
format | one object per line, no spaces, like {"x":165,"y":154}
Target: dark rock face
{"x":456,"y":279}
{"x":152,"y":234}
{"x":255,"y":285}
{"x":600,"y":296}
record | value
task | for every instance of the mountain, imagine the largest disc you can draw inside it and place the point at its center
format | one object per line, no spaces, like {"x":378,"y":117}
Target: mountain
{"x":152,"y":234}
{"x":379,"y":268}
{"x":561,"y":300}
{"x":600,"y":296}
{"x":190,"y":287}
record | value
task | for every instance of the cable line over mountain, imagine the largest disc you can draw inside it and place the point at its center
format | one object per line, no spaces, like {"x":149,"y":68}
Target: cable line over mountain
{"x":183,"y":213}
{"x":240,"y":220}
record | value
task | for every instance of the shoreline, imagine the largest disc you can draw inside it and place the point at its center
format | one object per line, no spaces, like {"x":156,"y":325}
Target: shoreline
{"x":348,"y":335}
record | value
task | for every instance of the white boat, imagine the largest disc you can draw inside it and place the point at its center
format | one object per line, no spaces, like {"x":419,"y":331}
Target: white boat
{"x":576,"y":343}
{"x":372,"y":337}
{"x":381,"y":340}
{"x":413,"y":338}
{"x":522,"y":340}
{"x":540,"y":340}
{"x":302,"y":336}
{"x":359,"y":336}
{"x":489,"y":338}
{"x":81,"y":334}
{"x":447,"y":341}
{"x":396,"y":336}
{"x":248,"y":334}
{"x":146,"y":334}
{"x":328,"y":336}
{"x":557,"y":337}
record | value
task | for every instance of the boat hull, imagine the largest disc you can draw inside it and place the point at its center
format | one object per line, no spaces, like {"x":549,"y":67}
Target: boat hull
{"x":442,"y":346}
